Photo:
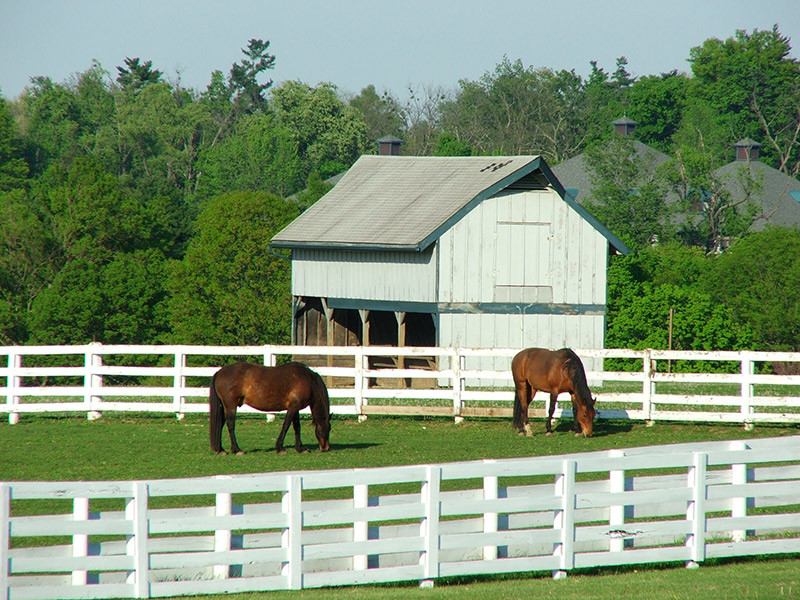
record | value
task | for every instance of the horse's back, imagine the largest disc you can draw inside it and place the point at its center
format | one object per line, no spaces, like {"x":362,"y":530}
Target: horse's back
{"x":540,"y":367}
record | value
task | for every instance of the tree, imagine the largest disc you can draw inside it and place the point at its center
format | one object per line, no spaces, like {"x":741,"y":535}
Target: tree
{"x":657,"y":103}
{"x":382,"y":113}
{"x":13,"y":168}
{"x":241,"y":94}
{"x":260,"y":155}
{"x":752,"y":85}
{"x":119,"y":302}
{"x":758,"y":280}
{"x":329,"y":134}
{"x":230,"y":288}
{"x":136,"y":75}
{"x":628,"y":193}
{"x":714,"y":216}
{"x":644,"y":286}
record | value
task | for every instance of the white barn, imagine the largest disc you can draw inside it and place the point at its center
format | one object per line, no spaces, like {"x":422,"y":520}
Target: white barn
{"x":435,"y":251}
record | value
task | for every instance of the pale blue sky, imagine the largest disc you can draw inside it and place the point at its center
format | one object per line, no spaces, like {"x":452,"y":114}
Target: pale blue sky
{"x":392,"y":44}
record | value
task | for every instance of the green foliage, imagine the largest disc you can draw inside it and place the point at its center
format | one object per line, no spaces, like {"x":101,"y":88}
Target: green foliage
{"x":120,"y":302}
{"x":644,"y":286}
{"x":449,"y":146}
{"x":628,"y":193}
{"x":230,"y":288}
{"x":316,"y":188}
{"x":657,"y":103}
{"x":382,"y":114}
{"x":13,"y":168}
{"x":135,"y":75}
{"x":324,"y":128}
{"x":758,"y":280}
{"x":751,"y":82}
{"x":260,"y":155}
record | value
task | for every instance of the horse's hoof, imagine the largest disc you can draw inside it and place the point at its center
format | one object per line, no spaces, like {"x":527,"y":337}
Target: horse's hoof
{"x":280,"y":450}
{"x":302,"y":450}
{"x":222,"y":453}
{"x":549,"y":433}
{"x":240,"y":453}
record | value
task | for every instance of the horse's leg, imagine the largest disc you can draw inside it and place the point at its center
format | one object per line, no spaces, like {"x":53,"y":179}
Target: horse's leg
{"x":529,"y":394}
{"x":230,"y":421}
{"x":296,"y":424}
{"x":576,"y":426}
{"x":550,"y":410}
{"x":290,"y":414}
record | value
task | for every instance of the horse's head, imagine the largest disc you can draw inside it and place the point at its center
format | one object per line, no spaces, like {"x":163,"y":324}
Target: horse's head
{"x":585,"y":414}
{"x":322,"y":429}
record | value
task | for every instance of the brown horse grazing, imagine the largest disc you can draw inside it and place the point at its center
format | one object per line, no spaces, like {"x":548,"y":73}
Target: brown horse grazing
{"x":553,"y":371}
{"x":290,"y":387}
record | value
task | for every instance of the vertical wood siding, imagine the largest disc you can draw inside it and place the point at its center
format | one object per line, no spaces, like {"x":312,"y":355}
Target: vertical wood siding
{"x":387,"y":276}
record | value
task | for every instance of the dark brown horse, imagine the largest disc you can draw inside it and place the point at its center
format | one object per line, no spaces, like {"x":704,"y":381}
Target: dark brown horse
{"x":290,"y":387}
{"x":553,"y":371}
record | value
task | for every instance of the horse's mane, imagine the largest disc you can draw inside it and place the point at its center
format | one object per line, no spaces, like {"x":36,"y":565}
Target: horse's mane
{"x":321,"y":393}
{"x":577,"y":375}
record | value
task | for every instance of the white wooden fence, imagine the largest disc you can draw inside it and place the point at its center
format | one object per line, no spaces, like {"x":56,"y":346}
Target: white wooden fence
{"x":141,"y":539}
{"x":460,"y":382}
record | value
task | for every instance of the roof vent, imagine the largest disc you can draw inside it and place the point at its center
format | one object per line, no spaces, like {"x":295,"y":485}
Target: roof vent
{"x":624,"y":126}
{"x":389,"y":146}
{"x":747,"y":149}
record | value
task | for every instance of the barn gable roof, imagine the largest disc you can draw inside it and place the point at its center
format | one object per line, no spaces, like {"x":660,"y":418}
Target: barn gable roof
{"x":407,"y":202}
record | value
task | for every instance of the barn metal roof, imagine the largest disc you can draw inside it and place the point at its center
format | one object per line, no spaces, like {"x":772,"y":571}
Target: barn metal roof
{"x":407,"y":202}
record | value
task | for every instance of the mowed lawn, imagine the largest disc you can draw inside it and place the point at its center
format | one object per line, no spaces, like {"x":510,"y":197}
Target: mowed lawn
{"x":124,"y":447}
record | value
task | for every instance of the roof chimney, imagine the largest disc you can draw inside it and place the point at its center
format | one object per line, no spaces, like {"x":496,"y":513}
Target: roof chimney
{"x":389,"y":146}
{"x":624,"y":126}
{"x":747,"y":149}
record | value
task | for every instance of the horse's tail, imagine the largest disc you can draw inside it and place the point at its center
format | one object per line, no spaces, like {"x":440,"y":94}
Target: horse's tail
{"x":519,"y":415}
{"x":216,"y":416}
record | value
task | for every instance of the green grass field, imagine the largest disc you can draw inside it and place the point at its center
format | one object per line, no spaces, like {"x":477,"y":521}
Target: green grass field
{"x":123,"y":447}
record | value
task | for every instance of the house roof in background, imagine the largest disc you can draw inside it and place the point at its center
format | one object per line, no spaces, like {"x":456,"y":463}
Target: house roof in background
{"x":407,"y":202}
{"x":778,"y":199}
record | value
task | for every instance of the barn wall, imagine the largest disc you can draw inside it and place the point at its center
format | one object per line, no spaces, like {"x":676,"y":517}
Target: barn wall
{"x":523,"y":247}
{"x":515,"y":331}
{"x":384,"y":276}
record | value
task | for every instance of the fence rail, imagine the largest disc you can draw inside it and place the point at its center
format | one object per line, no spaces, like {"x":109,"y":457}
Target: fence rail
{"x":156,"y":538}
{"x":458,"y":382}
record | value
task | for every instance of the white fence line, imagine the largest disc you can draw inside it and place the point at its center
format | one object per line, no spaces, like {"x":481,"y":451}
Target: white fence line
{"x":309,"y":529}
{"x":460,"y":382}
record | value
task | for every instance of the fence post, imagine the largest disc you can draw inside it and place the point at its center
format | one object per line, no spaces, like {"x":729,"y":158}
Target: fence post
{"x":748,"y":368}
{"x":429,"y":526}
{"x":5,"y":540}
{"x":178,"y":383}
{"x":92,"y":382}
{"x":458,"y":383}
{"x":564,"y":518}
{"x":696,"y":510}
{"x":490,"y":518}
{"x":740,"y":475}
{"x":359,"y":382}
{"x":618,"y":483}
{"x":291,"y":538}
{"x":136,"y":511}
{"x":647,"y":387}
{"x":80,"y":541}
{"x":14,"y":382}
{"x":360,"y":528}
{"x":223,"y":507}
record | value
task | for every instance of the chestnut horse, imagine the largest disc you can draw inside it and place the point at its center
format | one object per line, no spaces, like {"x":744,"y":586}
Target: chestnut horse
{"x":290,"y":387}
{"x":553,"y":371}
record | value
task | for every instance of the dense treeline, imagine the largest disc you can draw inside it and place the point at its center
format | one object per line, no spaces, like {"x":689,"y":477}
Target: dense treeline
{"x":134,"y":210}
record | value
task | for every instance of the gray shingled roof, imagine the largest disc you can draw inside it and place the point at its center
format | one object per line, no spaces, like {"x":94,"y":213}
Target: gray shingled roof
{"x":407,"y":202}
{"x":777,"y":205}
